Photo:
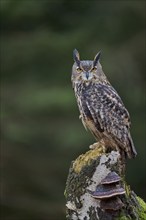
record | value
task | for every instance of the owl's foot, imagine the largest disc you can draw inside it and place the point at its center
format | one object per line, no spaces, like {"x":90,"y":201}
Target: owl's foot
{"x":100,"y":145}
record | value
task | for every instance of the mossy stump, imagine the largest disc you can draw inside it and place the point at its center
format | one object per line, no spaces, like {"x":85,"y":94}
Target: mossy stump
{"x":85,"y":173}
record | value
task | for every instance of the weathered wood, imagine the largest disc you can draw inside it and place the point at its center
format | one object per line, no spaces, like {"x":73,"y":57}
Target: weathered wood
{"x":85,"y":173}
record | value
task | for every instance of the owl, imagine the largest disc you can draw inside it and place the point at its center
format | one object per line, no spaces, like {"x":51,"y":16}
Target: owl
{"x":101,"y":109}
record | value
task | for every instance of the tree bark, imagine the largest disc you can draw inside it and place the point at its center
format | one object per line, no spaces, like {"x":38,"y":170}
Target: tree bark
{"x":85,"y":174}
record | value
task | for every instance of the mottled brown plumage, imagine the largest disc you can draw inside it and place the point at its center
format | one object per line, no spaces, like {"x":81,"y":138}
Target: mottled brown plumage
{"x":101,"y":109}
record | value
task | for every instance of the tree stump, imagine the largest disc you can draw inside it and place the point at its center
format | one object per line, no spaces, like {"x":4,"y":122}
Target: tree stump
{"x":84,"y":197}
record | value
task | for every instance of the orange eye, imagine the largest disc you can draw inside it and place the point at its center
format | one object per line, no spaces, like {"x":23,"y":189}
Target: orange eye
{"x":94,"y":68}
{"x":78,"y":69}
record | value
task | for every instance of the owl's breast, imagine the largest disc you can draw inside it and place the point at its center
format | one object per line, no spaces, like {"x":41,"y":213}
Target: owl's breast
{"x":84,"y":93}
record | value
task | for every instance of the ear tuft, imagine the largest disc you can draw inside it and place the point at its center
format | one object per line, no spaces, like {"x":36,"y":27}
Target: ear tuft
{"x":96,"y":58}
{"x":76,"y":56}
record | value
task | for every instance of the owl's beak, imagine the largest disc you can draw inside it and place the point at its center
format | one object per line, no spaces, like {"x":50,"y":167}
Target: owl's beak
{"x":87,"y":76}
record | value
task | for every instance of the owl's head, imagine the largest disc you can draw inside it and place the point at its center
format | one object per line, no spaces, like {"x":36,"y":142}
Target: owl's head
{"x":86,"y":70}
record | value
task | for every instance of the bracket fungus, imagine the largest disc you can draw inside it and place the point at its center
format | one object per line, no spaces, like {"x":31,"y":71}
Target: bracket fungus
{"x":112,"y":177}
{"x":109,"y":191}
{"x":111,"y":204}
{"x":105,"y":192}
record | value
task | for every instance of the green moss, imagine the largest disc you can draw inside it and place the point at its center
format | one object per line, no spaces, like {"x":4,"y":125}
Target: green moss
{"x":65,"y":193}
{"x":127,"y":189}
{"x":142,"y":209}
{"x":123,"y":218}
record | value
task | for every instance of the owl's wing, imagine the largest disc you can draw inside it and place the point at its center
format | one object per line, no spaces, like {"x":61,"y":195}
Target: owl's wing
{"x":107,"y":109}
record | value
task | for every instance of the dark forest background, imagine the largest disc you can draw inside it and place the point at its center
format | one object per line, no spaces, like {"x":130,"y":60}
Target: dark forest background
{"x":41,"y":130}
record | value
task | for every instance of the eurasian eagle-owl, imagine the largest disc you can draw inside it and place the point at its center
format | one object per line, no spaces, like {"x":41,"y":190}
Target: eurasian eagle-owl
{"x":101,"y":109}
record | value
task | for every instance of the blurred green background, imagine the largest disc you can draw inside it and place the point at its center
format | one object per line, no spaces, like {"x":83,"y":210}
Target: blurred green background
{"x":41,"y":131}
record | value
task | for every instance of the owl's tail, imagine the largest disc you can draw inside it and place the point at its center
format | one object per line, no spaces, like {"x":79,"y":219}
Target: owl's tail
{"x":131,"y":151}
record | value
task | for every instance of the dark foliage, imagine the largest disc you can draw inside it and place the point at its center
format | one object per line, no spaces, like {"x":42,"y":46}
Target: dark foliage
{"x":41,"y":132}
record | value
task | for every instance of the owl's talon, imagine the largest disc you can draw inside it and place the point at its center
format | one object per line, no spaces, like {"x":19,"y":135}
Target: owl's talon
{"x":95,"y":145}
{"x":92,"y":147}
{"x":99,"y":146}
